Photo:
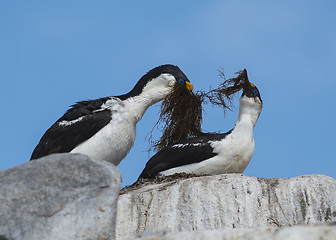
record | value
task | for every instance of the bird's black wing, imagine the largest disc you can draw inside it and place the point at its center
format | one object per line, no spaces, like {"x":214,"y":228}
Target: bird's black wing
{"x":78,"y":124}
{"x":188,"y":151}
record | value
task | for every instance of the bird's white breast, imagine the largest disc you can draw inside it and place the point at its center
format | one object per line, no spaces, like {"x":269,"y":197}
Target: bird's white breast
{"x":113,"y":142}
{"x":234,"y":152}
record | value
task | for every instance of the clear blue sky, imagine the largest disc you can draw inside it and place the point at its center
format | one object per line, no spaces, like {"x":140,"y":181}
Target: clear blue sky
{"x":54,"y":53}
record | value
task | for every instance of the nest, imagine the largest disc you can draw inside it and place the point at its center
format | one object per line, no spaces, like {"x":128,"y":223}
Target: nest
{"x":181,"y":111}
{"x":158,"y":180}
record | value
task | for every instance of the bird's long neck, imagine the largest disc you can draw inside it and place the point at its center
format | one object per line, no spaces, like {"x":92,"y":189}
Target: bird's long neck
{"x":138,"y":105}
{"x":153,"y":92}
{"x":249,"y":112}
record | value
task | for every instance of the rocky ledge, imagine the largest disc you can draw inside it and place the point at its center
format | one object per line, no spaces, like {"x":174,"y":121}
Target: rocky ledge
{"x":225,"y":201}
{"x":71,"y":197}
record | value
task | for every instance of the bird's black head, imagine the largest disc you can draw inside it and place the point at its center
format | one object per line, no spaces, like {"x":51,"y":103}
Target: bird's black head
{"x":162,"y":74}
{"x":251,"y":91}
{"x":175,"y":71}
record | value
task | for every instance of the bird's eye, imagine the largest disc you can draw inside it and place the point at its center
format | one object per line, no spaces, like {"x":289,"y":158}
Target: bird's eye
{"x":181,"y":81}
{"x":255,"y":91}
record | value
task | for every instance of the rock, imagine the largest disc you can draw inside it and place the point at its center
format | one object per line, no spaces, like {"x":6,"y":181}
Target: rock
{"x":323,"y":232}
{"x":225,"y":201}
{"x":61,"y":196}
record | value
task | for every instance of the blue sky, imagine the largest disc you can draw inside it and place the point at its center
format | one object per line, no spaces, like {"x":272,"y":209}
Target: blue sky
{"x":54,"y":53}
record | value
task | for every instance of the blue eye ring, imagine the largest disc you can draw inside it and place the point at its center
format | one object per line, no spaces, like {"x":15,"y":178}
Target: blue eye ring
{"x":181,"y":81}
{"x":255,"y":91}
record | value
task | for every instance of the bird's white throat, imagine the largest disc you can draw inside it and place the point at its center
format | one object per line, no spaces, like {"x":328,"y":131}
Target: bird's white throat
{"x":249,"y":110}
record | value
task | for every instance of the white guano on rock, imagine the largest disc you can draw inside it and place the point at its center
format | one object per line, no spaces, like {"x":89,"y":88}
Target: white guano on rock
{"x":225,"y":201}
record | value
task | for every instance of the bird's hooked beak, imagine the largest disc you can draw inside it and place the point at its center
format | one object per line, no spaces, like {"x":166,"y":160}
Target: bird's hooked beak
{"x":189,"y":86}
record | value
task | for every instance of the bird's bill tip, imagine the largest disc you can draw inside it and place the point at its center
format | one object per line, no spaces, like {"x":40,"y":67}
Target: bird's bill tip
{"x":189,"y":86}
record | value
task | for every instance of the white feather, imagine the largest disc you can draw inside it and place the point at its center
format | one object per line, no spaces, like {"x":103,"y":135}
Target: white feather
{"x":69,"y":123}
{"x":180,"y":145}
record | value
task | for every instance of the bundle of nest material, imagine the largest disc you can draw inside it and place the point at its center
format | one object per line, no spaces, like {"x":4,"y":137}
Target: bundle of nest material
{"x":181,"y":112}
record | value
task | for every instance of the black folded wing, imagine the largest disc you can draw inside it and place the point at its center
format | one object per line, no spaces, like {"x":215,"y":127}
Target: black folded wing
{"x":188,"y":151}
{"x":78,"y":124}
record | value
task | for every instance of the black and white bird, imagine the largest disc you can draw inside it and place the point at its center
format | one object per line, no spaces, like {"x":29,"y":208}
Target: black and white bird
{"x":212,"y":154}
{"x":105,"y":128}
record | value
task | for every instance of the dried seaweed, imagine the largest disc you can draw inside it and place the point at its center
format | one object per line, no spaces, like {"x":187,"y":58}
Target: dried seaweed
{"x":158,"y":180}
{"x":181,"y":115}
{"x":224,"y":94}
{"x":181,"y":111}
